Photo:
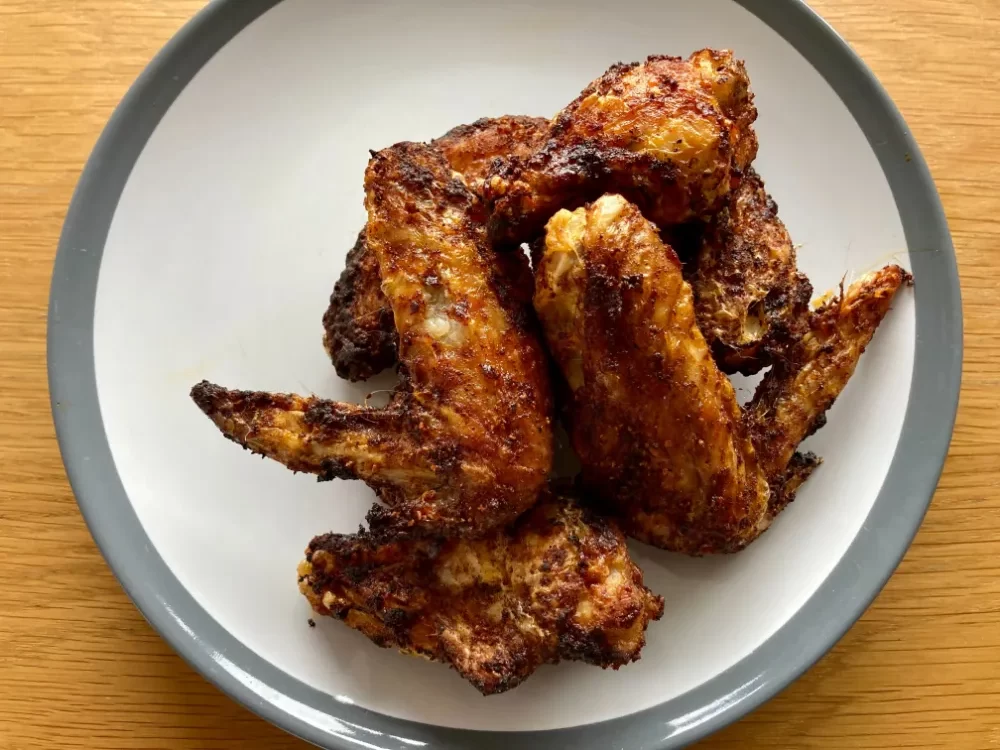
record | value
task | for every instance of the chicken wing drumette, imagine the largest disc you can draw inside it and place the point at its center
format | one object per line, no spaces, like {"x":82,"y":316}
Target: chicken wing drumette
{"x":359,"y":332}
{"x":751,"y":302}
{"x":671,"y":135}
{"x":465,"y":443}
{"x":656,"y":424}
{"x":558,"y":584}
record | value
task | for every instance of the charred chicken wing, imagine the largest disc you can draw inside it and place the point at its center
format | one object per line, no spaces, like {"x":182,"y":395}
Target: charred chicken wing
{"x":751,"y":302}
{"x":359,"y":332}
{"x":465,"y":443}
{"x":656,"y":424}
{"x":671,"y":135}
{"x":793,"y":398}
{"x":558,"y":584}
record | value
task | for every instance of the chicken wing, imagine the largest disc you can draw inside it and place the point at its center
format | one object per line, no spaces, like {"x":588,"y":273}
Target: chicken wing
{"x":656,"y":424}
{"x":359,"y":332}
{"x":671,"y":135}
{"x":751,"y":302}
{"x":465,"y":443}
{"x":559,"y":584}
{"x":792,"y":400}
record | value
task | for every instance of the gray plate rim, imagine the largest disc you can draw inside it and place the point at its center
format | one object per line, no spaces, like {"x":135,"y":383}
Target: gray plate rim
{"x":319,"y":718}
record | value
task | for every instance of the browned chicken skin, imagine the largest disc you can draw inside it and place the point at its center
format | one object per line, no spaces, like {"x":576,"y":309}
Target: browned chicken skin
{"x":359,"y":332}
{"x":465,"y":443}
{"x":559,"y":584}
{"x":471,"y":149}
{"x":656,"y":424}
{"x":671,"y":135}
{"x":751,"y":302}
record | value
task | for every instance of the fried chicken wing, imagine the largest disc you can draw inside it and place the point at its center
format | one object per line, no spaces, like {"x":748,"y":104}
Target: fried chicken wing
{"x":793,"y":398}
{"x":558,"y":584}
{"x":751,"y":302}
{"x":656,"y":424}
{"x":671,"y":135}
{"x":359,"y":332}
{"x":465,"y":443}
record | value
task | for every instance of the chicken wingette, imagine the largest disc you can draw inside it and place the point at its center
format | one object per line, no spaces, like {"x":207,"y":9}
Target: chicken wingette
{"x":660,"y":435}
{"x":751,"y":302}
{"x":673,"y":136}
{"x":358,"y":328}
{"x":465,"y":443}
{"x":558,"y":584}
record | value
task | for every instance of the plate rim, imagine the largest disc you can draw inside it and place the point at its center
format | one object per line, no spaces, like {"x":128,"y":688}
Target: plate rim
{"x":319,"y":718}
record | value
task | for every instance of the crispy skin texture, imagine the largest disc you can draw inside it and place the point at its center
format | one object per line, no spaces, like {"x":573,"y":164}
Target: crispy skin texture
{"x":557,"y":585}
{"x":671,"y":135}
{"x":465,"y":443}
{"x":661,"y":437}
{"x":751,"y":302}
{"x":358,"y":330}
{"x":471,"y":149}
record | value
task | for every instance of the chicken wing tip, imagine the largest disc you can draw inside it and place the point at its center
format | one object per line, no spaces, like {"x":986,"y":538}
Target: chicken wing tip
{"x":210,"y":397}
{"x":220,"y":403}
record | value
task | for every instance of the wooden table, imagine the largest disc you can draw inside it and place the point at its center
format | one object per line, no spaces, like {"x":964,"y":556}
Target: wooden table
{"x":80,"y":668}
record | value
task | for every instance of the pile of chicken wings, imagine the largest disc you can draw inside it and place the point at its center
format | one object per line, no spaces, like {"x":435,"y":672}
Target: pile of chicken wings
{"x":656,"y":265}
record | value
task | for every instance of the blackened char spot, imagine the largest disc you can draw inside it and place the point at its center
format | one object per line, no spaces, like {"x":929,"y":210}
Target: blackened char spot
{"x":397,"y":618}
{"x":333,"y":469}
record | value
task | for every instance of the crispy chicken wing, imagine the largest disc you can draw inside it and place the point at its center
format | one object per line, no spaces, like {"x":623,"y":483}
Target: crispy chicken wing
{"x":656,"y":424}
{"x":671,"y":135}
{"x":359,"y":332}
{"x":558,"y":584}
{"x":793,"y":398}
{"x":751,"y":302}
{"x":465,"y":443}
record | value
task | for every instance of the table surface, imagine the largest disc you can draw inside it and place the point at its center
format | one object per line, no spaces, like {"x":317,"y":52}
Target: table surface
{"x":80,"y":668}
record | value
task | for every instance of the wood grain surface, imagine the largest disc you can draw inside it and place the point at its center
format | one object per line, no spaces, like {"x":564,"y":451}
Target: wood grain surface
{"x":80,"y":668}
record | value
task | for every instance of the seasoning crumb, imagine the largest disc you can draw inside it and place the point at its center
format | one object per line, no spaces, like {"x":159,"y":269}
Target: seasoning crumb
{"x":312,"y":622}
{"x":908,"y":157}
